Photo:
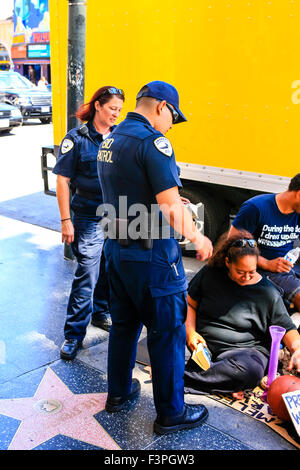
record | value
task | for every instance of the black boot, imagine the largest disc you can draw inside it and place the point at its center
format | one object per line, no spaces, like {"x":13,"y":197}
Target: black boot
{"x":69,"y":349}
{"x":114,"y":404}
{"x":191,"y":417}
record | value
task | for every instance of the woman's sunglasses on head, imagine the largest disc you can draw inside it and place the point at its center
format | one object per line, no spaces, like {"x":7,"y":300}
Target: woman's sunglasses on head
{"x":242,"y":242}
{"x":113,"y":91}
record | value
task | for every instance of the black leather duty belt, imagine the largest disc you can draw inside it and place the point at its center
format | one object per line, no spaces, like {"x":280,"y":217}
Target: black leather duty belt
{"x":87,"y":194}
{"x":119,"y":231}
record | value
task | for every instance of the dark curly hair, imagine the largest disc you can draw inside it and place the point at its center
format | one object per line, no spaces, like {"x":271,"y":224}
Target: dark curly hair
{"x":224,"y":249}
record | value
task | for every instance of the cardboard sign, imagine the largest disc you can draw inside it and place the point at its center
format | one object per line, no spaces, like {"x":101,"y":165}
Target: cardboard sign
{"x":253,"y":406}
{"x":292,"y":402}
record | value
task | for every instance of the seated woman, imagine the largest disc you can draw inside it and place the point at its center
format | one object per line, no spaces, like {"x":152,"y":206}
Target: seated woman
{"x":230,"y":309}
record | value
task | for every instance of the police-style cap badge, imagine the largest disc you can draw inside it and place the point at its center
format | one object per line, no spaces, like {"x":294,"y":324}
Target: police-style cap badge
{"x":163,"y":91}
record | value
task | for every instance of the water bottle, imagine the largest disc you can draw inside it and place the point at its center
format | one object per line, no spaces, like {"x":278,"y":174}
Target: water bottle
{"x":293,"y":255}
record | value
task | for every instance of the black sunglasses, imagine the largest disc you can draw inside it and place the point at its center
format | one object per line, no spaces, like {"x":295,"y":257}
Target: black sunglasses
{"x":243,"y":242}
{"x":175,"y":114}
{"x":113,"y":91}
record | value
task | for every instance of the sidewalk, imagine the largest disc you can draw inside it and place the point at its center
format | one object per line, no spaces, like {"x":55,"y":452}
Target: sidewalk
{"x":47,"y":403}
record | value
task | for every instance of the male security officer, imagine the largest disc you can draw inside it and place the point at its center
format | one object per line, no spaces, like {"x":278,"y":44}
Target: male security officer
{"x":136,"y":166}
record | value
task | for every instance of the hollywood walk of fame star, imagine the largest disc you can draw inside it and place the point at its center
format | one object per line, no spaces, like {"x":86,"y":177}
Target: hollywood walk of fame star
{"x":54,"y":410}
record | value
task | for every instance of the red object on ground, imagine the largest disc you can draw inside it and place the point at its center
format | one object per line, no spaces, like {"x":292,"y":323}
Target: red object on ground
{"x":283,"y":384}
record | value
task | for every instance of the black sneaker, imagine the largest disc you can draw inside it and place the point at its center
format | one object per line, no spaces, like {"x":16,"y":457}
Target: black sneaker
{"x":69,"y":349}
{"x":191,"y":417}
{"x":114,"y":404}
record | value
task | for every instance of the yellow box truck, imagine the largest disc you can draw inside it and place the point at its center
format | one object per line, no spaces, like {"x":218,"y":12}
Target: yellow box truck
{"x":236,"y":66}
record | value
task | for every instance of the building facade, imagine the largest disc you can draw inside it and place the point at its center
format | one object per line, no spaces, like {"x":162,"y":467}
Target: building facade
{"x":30,"y":50}
{"x":6,"y":35}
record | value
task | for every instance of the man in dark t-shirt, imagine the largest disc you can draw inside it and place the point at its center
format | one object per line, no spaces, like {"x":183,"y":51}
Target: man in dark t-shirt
{"x":274,"y":221}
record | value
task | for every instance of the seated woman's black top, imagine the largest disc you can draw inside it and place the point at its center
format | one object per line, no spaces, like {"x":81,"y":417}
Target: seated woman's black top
{"x":233,"y":316}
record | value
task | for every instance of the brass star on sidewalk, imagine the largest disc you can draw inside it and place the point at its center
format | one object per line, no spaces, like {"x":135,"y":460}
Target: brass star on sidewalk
{"x":54,"y":410}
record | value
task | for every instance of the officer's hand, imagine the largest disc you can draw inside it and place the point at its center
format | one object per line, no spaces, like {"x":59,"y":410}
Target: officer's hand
{"x":193,"y":339}
{"x":279,"y":265}
{"x":204,"y":248}
{"x":67,"y":231}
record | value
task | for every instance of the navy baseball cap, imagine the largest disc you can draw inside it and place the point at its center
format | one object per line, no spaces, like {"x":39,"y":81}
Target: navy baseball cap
{"x":163,"y":91}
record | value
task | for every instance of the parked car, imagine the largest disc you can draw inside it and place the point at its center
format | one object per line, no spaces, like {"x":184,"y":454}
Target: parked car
{"x":10,"y":116}
{"x":19,"y":91}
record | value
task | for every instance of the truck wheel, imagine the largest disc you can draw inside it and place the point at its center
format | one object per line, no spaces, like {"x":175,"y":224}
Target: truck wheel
{"x":215,"y":216}
{"x":45,"y":120}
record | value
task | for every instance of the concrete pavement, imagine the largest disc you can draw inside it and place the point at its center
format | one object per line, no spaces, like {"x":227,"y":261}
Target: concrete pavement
{"x":35,"y":282}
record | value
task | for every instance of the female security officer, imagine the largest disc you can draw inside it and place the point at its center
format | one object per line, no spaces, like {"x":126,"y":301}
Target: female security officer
{"x":77,"y":167}
{"x":146,"y":276}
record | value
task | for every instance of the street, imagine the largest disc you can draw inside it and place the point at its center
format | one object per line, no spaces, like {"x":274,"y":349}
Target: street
{"x":20,"y":150}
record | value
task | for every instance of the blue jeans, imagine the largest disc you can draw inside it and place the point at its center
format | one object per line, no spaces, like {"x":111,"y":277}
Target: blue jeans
{"x":288,"y":284}
{"x":89,"y":292}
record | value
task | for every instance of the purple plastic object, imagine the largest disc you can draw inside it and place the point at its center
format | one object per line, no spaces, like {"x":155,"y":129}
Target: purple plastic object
{"x":277,"y":333}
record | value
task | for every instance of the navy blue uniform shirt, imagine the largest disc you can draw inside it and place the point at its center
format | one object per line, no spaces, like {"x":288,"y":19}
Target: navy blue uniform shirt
{"x":77,"y":159}
{"x":136,"y":161}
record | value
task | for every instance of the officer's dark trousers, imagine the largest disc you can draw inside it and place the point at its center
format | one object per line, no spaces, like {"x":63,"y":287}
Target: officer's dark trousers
{"x":148,"y":287}
{"x":89,"y":291}
{"x":231,"y":371}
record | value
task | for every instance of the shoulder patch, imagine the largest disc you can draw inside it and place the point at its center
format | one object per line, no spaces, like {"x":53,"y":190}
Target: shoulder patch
{"x":164,"y":146}
{"x":66,"y":145}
